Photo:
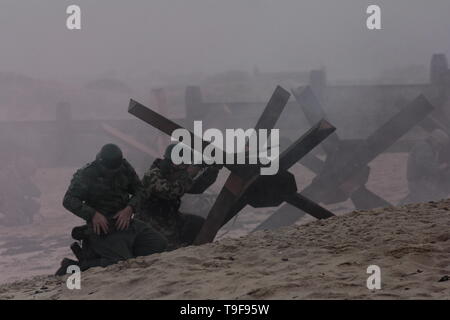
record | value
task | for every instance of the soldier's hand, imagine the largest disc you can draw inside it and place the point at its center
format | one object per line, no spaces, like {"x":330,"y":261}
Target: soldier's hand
{"x":99,"y":223}
{"x":123,"y":218}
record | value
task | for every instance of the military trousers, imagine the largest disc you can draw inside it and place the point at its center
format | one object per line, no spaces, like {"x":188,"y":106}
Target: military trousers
{"x":139,"y":239}
{"x":192,"y":224}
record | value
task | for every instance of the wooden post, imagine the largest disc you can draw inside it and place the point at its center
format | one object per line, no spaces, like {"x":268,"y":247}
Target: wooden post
{"x":438,"y":69}
{"x":160,"y":97}
{"x":440,"y":79}
{"x":194,"y":104}
{"x":318,"y":83}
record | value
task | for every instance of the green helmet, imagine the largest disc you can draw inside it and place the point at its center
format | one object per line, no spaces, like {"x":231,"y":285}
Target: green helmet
{"x":168,"y":152}
{"x":168,"y":155}
{"x":110,"y":156}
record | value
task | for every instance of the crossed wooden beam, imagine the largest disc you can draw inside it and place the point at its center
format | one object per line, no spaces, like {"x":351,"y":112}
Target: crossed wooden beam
{"x":345,"y":171}
{"x":245,"y":185}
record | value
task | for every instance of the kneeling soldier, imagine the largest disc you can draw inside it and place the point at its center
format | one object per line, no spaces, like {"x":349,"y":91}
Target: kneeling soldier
{"x":105,"y":193}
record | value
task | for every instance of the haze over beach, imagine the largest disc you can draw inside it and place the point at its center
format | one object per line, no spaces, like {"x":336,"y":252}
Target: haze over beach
{"x":145,"y":39}
{"x":148,"y":44}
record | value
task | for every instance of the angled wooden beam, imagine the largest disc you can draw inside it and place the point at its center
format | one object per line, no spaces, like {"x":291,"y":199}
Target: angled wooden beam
{"x":235,"y":188}
{"x":313,"y":111}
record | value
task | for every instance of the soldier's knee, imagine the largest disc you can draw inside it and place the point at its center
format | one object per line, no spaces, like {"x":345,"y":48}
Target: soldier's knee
{"x":155,"y":243}
{"x":161,"y":244}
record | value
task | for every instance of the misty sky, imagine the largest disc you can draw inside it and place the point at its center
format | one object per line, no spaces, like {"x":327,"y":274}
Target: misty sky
{"x":135,"y":38}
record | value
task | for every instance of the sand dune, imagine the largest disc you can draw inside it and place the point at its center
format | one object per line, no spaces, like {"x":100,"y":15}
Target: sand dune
{"x":321,"y":259}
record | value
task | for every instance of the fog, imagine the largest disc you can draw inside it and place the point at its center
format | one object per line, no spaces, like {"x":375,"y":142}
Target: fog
{"x":140,"y":39}
{"x":64,"y":93}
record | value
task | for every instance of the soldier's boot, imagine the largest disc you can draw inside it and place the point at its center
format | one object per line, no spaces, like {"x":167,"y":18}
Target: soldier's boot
{"x":65,"y":263}
{"x":77,"y":251}
{"x":80,"y":233}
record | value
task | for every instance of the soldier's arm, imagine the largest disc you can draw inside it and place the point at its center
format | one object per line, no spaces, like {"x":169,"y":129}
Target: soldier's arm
{"x":155,"y":184}
{"x":75,"y":197}
{"x":135,"y":189}
{"x":204,"y":181}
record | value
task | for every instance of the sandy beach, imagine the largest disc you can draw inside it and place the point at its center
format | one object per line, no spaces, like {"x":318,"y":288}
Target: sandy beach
{"x":319,"y":260}
{"x":311,"y":260}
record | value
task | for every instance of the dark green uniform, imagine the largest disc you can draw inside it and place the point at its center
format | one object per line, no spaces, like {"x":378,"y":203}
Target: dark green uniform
{"x":95,"y":188}
{"x":163,"y":186}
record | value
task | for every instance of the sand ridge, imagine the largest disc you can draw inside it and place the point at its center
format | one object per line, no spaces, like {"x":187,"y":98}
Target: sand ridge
{"x":320,"y":260}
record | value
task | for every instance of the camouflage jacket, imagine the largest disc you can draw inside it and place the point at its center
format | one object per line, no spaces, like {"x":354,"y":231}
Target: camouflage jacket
{"x":93,"y":189}
{"x":163,"y":187}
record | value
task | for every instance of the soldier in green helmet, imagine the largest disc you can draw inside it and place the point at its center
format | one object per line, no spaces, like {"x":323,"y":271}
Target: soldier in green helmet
{"x":106,"y":194}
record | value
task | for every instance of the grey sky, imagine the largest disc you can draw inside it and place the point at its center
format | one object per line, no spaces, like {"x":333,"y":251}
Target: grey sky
{"x":132,"y":39}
